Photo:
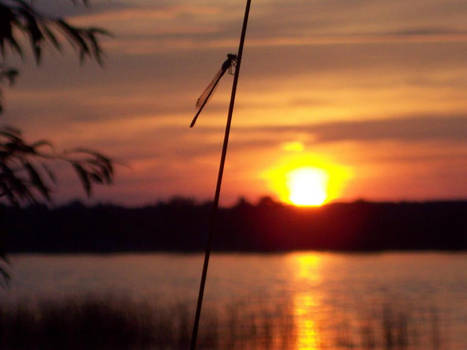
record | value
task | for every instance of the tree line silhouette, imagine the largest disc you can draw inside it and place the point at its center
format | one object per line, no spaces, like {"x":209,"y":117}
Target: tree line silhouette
{"x":180,"y":225}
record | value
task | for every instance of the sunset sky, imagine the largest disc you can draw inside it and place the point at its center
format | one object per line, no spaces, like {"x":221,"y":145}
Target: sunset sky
{"x":371,"y":92}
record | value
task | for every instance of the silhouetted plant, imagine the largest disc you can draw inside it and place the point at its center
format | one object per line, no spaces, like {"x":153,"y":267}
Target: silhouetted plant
{"x":18,"y":16}
{"x":25,"y":173}
{"x":26,"y":177}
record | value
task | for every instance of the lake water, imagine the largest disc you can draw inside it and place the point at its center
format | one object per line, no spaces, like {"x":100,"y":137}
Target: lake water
{"x":323,"y":295}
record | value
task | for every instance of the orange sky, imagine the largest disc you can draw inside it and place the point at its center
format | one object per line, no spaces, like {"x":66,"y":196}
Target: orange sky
{"x":371,"y":90}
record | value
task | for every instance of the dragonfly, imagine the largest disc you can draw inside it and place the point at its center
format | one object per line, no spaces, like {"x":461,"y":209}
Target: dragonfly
{"x":227,"y":65}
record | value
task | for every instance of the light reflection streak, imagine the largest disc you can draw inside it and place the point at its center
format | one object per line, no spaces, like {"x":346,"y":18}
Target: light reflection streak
{"x":307,"y":268}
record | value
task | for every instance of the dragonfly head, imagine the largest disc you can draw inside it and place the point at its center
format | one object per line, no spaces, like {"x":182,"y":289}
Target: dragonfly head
{"x":230,"y":63}
{"x":231,"y":57}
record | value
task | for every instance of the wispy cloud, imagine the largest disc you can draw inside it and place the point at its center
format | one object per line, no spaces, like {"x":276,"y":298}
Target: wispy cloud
{"x":345,"y":78}
{"x":401,"y":129}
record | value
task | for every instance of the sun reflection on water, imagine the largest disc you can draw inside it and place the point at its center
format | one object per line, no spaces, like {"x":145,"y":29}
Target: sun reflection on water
{"x":307,"y":271}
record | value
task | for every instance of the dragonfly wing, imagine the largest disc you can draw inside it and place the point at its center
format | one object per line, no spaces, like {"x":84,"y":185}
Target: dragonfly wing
{"x":209,"y":89}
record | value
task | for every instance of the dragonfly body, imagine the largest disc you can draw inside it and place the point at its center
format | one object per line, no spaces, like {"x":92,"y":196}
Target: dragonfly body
{"x":208,"y":91}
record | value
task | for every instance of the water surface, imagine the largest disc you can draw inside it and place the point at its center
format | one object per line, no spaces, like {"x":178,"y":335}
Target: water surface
{"x":318,"y":292}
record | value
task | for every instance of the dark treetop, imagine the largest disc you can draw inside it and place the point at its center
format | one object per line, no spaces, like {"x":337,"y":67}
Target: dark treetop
{"x":181,"y":224}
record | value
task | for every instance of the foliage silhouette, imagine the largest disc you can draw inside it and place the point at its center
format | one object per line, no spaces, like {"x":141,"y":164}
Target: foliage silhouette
{"x":266,"y":226}
{"x":26,"y":176}
{"x":25,"y":172}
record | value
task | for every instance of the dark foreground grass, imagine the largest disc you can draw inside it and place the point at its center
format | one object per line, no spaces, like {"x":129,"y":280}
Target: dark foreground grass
{"x":109,"y":323}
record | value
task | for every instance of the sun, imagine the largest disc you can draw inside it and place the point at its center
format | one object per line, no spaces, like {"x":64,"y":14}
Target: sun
{"x":307,"y":186}
{"x":306,"y":179}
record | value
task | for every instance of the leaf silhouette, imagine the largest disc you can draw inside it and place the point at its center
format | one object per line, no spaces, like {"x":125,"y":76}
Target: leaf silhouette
{"x":84,"y":177}
{"x":24,"y":168}
{"x":26,"y":174}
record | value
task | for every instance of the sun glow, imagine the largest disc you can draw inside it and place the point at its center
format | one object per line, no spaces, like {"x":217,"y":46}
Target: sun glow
{"x":306,"y":179}
{"x":307,"y":186}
